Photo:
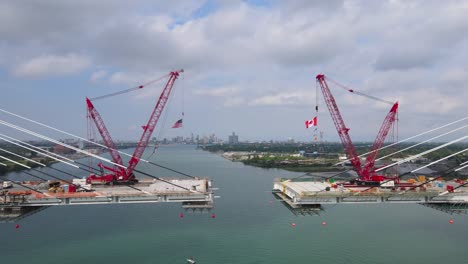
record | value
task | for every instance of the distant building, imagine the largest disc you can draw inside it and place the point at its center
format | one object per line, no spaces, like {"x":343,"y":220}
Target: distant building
{"x":233,"y":139}
{"x":70,"y":141}
{"x":59,"y":149}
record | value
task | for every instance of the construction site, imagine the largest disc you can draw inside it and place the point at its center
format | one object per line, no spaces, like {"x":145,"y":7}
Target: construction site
{"x":105,"y":184}
{"x":111,"y":181}
{"x":383,"y":184}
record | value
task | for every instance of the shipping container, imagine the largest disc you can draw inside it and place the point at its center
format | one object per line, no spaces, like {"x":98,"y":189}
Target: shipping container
{"x":72,"y":188}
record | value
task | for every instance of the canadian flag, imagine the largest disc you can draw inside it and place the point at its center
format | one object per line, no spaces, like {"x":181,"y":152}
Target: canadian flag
{"x":312,"y":122}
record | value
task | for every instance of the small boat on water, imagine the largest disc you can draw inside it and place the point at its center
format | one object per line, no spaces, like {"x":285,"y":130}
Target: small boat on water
{"x":191,"y":260}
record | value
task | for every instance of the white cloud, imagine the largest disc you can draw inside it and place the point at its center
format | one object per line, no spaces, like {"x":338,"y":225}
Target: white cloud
{"x":456,"y":76}
{"x":124,"y":78}
{"x":284,"y":99}
{"x":235,"y":101}
{"x":52,"y":65}
{"x":223,"y":91}
{"x":98,"y":75}
{"x":241,"y":55}
{"x":430,"y":100}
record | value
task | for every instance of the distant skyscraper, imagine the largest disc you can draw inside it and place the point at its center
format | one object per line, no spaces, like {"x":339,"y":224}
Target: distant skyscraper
{"x":233,"y":139}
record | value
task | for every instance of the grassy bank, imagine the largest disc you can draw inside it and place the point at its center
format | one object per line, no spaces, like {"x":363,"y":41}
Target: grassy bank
{"x":12,"y":167}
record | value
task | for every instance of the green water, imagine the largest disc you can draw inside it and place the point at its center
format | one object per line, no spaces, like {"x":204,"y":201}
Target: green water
{"x":247,"y":228}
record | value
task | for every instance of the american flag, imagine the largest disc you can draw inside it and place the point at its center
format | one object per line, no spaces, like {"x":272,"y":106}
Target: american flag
{"x":177,"y":124}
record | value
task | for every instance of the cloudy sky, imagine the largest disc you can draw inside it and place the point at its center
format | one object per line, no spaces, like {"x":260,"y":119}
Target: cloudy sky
{"x":250,"y":66}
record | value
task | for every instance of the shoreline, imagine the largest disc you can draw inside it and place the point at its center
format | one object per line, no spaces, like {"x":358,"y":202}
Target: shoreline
{"x":284,"y":161}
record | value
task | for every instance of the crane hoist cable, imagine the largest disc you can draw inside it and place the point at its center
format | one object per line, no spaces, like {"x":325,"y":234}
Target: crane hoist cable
{"x":359,"y":93}
{"x":123,"y":173}
{"x":90,"y":118}
{"x":365,"y":172}
{"x":162,"y":127}
{"x":129,"y":90}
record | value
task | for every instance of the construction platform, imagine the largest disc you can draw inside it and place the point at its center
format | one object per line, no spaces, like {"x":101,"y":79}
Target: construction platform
{"x":19,"y":202}
{"x":307,"y":197}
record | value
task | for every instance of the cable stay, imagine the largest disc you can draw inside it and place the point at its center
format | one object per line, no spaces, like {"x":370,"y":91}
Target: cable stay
{"x":445,"y":173}
{"x":29,"y":188}
{"x":52,"y":176}
{"x":461,"y":168}
{"x":87,"y":140}
{"x":28,"y":167}
{"x":15,"y":162}
{"x":58,"y":143}
{"x":35,"y":149}
{"x":407,"y":139}
{"x":40,"y":164}
{"x":49,"y":154}
{"x":422,"y":153}
{"x":420,"y":143}
{"x":41,"y":152}
{"x":34,"y":176}
{"x":87,"y":153}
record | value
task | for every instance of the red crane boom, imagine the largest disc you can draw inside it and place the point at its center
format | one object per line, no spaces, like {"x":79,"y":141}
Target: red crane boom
{"x":106,"y":137}
{"x":120,"y":174}
{"x":153,"y":120}
{"x":366,"y":173}
{"x":378,"y":143}
{"x":339,"y":124}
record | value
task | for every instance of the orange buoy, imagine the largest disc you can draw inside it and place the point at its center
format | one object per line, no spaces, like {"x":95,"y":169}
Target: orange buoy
{"x":181,"y":215}
{"x":293,"y":224}
{"x":213,"y":216}
{"x":17,"y":226}
{"x":451,"y":221}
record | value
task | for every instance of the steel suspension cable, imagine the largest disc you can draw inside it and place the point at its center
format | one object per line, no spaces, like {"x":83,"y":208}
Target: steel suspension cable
{"x":404,"y":140}
{"x":422,"y":153}
{"x":89,"y":141}
{"x":87,"y":153}
{"x":420,"y":143}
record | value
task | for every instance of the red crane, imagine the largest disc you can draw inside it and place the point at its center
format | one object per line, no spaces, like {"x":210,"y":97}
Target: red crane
{"x":119,"y":174}
{"x":153,"y":120}
{"x":106,"y":137}
{"x":366,"y":173}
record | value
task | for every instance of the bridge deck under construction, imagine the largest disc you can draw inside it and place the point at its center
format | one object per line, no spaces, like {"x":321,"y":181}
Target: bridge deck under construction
{"x":314,"y":193}
{"x":196,"y":194}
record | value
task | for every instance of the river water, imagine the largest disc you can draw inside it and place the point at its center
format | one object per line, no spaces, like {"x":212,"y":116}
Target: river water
{"x":250,"y":226}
